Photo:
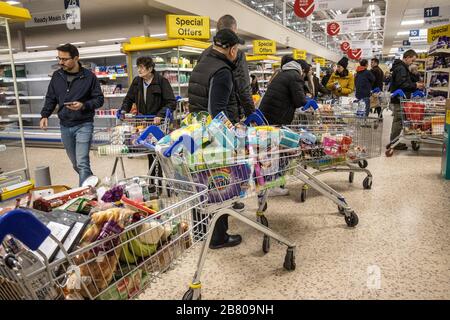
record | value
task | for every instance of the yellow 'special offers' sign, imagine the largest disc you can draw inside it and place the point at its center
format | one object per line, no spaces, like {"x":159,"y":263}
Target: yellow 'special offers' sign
{"x":299,"y":54}
{"x":187,"y":27}
{"x":320,"y":61}
{"x":436,"y":32}
{"x":264,"y":47}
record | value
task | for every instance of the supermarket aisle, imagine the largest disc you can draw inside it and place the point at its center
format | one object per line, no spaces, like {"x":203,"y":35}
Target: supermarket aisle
{"x":402,"y":231}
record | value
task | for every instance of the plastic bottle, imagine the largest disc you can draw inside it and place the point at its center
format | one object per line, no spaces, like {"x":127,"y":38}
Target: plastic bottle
{"x":361,"y":110}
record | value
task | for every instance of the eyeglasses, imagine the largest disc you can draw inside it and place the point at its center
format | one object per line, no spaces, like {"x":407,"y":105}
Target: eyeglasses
{"x":63,"y":59}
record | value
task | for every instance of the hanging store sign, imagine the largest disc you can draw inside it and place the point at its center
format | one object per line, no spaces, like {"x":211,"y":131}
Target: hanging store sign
{"x":304,"y":8}
{"x":338,"y":4}
{"x":354,"y":54}
{"x":264,"y":47}
{"x":187,"y":27}
{"x":348,"y":26}
{"x":436,"y":15}
{"x":73,"y":14}
{"x":320,"y":61}
{"x":333,"y":28}
{"x":436,"y":32}
{"x":418,"y":35}
{"x":345,"y":46}
{"x":365,"y":46}
{"x":69,"y":14}
{"x":299,"y":54}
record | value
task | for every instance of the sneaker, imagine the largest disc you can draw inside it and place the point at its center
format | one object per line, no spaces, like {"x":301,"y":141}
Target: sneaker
{"x":278,"y":192}
{"x":238,"y":206}
{"x":401,"y":146}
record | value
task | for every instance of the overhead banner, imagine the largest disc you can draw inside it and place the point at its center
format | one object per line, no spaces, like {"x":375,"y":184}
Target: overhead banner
{"x":304,"y":8}
{"x":73,"y":14}
{"x":365,"y":46}
{"x":418,"y":35}
{"x":352,"y":25}
{"x":320,"y":61}
{"x":337,"y":4}
{"x":436,"y":32}
{"x":264,"y":47}
{"x":187,"y":27}
{"x":436,"y":15}
{"x":69,"y":13}
{"x":333,"y":28}
{"x":299,"y":54}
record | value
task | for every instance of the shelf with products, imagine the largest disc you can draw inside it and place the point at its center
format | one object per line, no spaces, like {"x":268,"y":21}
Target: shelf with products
{"x":263,"y":67}
{"x":174,"y":59}
{"x":438,"y":68}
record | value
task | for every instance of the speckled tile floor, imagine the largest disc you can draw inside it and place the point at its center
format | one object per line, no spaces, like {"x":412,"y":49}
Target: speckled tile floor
{"x":399,"y":250}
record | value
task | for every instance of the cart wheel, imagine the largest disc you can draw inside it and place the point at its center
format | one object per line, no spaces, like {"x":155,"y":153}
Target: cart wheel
{"x":351,"y":177}
{"x":303,"y":195}
{"x":363,"y":164}
{"x":351,"y":219}
{"x":367,"y":183}
{"x":189,"y":295}
{"x":415,"y":145}
{"x":341,"y":210}
{"x":389,"y":153}
{"x":289,"y":260}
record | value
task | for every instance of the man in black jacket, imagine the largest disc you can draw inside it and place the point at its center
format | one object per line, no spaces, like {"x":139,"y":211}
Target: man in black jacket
{"x":379,"y":79}
{"x":77,"y":92}
{"x":241,"y":77}
{"x":364,"y":80}
{"x":401,"y":79}
{"x":212,"y":89}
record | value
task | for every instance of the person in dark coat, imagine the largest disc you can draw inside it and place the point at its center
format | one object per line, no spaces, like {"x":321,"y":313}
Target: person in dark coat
{"x":379,"y":79}
{"x":326,"y":77}
{"x":314,"y":87}
{"x":364,"y":81}
{"x":285,"y":93}
{"x":254,"y":84}
{"x":401,"y":79}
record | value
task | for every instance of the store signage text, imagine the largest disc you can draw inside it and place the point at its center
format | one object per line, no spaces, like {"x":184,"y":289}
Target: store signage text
{"x":264,"y":47}
{"x":299,"y":54}
{"x":338,"y":4}
{"x":46,"y":19}
{"x":436,"y":32}
{"x":320,"y":61}
{"x":345,"y":46}
{"x":333,"y":28}
{"x":187,"y":27}
{"x":418,"y":35}
{"x":436,"y":15}
{"x":348,"y":26}
{"x":304,"y":8}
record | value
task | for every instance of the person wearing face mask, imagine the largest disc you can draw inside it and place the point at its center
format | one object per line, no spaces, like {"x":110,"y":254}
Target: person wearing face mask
{"x":341,"y":82}
{"x":212,"y":89}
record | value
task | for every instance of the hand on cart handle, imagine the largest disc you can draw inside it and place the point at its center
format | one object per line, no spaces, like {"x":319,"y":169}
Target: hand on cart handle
{"x":169,"y":114}
{"x":186,"y":140}
{"x":254,"y":118}
{"x":376,"y":90}
{"x":311,"y":103}
{"x":25,"y":227}
{"x":397,"y":93}
{"x":418,"y":94}
{"x":155,"y":132}
{"x":119,"y":114}
{"x":44,"y":124}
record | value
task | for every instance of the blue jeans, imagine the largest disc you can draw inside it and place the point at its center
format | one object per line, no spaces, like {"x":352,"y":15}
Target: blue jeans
{"x":367,"y":102}
{"x":77,"y":142}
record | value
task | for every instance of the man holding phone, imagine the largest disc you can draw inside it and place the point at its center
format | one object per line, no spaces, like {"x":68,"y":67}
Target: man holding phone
{"x":77,"y":92}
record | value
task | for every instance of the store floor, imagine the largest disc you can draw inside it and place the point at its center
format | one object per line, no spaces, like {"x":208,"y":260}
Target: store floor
{"x":403,"y":233}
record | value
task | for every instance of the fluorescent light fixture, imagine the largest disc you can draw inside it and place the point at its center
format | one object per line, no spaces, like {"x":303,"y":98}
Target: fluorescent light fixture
{"x":339,"y":12}
{"x":74,"y":43}
{"x":403,"y":33}
{"x":112,"y":40}
{"x":13,"y":3}
{"x":412,"y":22}
{"x":158,"y":35}
{"x":36,"y":47}
{"x":213,"y":30}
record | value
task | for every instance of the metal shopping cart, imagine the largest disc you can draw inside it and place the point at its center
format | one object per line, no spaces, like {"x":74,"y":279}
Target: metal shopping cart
{"x":423,"y":120}
{"x":381,"y":99}
{"x":123,"y":139}
{"x":120,"y":264}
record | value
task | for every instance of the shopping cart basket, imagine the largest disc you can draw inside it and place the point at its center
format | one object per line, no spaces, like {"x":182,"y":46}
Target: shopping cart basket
{"x":381,"y":99}
{"x":123,"y":260}
{"x":423,"y":120}
{"x":123,"y":139}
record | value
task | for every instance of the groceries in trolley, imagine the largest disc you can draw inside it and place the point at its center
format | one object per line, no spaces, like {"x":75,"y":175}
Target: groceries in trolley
{"x":134,"y":231}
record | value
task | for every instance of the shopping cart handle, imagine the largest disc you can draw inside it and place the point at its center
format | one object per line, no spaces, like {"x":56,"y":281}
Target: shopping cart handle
{"x":119,"y":114}
{"x":144,"y":116}
{"x":25,"y":227}
{"x":155,"y":131}
{"x":376,"y":90}
{"x":397,"y":93}
{"x":178,"y":98}
{"x":254,"y":117}
{"x":169,"y":114}
{"x":418,"y":93}
{"x":187,"y":141}
{"x":310,"y":104}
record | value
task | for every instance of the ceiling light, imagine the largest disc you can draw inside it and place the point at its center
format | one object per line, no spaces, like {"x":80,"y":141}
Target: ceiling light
{"x":74,"y":43}
{"x":36,"y":47}
{"x":403,"y":33}
{"x":13,"y":3}
{"x":158,"y":35}
{"x":112,"y":40}
{"x":411,"y":22}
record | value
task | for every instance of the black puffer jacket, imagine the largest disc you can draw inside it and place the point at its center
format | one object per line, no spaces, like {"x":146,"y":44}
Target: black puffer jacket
{"x":284,"y":94}
{"x":401,"y":79}
{"x":364,"y":80}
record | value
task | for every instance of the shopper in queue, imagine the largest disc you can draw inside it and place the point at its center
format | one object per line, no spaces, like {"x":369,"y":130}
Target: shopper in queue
{"x":316,"y":88}
{"x":149,"y":94}
{"x":78,"y":94}
{"x":364,"y":81}
{"x":378,"y":83}
{"x":254,"y":84}
{"x":212,"y":89}
{"x":402,"y":79}
{"x":341,"y":82}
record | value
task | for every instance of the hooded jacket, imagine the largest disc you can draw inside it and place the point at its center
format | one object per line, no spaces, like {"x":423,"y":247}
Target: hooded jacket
{"x":364,"y":81}
{"x":401,"y":79}
{"x":345,"y":80}
{"x":284,"y":94}
{"x":84,"y":88}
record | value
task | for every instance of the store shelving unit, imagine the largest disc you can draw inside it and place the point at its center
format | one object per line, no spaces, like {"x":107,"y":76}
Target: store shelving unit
{"x":263,"y":68}
{"x":174,"y":59}
{"x":439,"y":90}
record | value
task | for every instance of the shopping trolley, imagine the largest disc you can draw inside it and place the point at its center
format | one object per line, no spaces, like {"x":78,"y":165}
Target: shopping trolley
{"x":381,"y":99}
{"x":423,"y":120}
{"x":123,"y":139}
{"x":132,"y":249}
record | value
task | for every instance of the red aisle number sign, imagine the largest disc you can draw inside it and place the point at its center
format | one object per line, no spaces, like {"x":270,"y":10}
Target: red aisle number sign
{"x":304,"y":8}
{"x":354,"y":54}
{"x":345,"y":46}
{"x":333,"y":28}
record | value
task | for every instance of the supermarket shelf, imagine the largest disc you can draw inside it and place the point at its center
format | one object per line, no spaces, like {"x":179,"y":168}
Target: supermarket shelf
{"x":118,"y":95}
{"x":7,"y":80}
{"x":261,"y":72}
{"x":180,"y":85}
{"x":440,"y":52}
{"x":445,"y":70}
{"x":38,"y":116}
{"x":112,"y":76}
{"x":443,"y":89}
{"x":27,"y":98}
{"x":10,"y":107}
{"x":161,"y":69}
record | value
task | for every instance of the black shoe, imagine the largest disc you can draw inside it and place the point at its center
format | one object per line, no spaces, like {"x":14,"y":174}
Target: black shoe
{"x":401,"y":146}
{"x":232,"y":241}
{"x":238,"y":206}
